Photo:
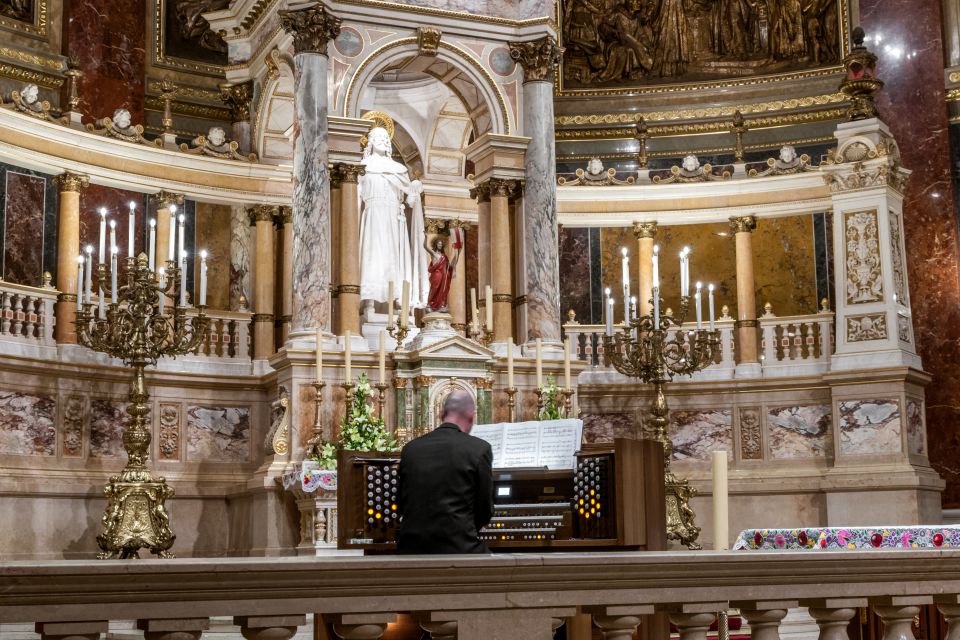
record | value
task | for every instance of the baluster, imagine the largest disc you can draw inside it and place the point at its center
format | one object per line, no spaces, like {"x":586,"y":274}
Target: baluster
{"x":834,"y":616}
{"x":89,"y":630}
{"x":5,"y":324}
{"x":270,"y":627}
{"x":897,"y":613}
{"x":243,"y":339}
{"x":229,"y":348}
{"x":826,"y":336}
{"x":770,"y":343}
{"x":30,"y":317}
{"x":726,"y":346}
{"x":17,"y":316}
{"x":173,"y":628}
{"x":46,"y":320}
{"x":790,"y":351}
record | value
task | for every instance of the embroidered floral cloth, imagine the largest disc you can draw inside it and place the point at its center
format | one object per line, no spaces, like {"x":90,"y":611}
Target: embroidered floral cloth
{"x":310,"y":477}
{"x":834,"y":538}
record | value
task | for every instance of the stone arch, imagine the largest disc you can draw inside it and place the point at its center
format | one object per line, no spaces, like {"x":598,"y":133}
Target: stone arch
{"x":441,"y":390}
{"x":453,"y":66}
{"x":274,"y":115}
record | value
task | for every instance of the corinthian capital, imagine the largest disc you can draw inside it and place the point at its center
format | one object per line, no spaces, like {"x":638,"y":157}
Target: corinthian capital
{"x":237,"y":97}
{"x":743,"y":224}
{"x":312,"y":28}
{"x":71,"y":181}
{"x":537,"y":57}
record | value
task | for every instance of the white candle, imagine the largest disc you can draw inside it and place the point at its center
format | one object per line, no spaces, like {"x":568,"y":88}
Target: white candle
{"x":390,"y":297}
{"x":474,"y":321}
{"x":489,"y":303}
{"x":80,"y":282}
{"x":180,"y":223}
{"x":171,"y":244}
{"x":383,"y":357}
{"x":319,"y":362}
{"x":203,"y":278}
{"x":153,"y":245}
{"x":131,"y":225}
{"x":656,"y":266}
{"x":721,"y":506}
{"x":633,"y":308}
{"x":683,"y":281}
{"x":609,"y":316}
{"x":566,"y":363}
{"x":162,"y":281}
{"x":183,"y":278}
{"x":625,"y":265}
{"x":113,"y":274}
{"x":686,"y":271}
{"x":710,"y":296}
{"x":100,"y":304}
{"x":346,"y":357}
{"x":113,"y":235}
{"x":539,"y":354}
{"x":656,"y":307}
{"x":405,"y":305}
{"x":101,"y":255}
{"x":89,"y":274}
{"x":510,"y":364}
{"x":699,"y":307}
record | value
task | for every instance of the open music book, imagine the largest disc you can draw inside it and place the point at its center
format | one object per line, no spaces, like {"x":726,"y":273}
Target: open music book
{"x":546,"y":443}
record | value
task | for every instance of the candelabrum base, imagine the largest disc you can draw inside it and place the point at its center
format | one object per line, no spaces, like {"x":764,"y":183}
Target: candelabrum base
{"x":136,"y":519}
{"x":680,"y":515}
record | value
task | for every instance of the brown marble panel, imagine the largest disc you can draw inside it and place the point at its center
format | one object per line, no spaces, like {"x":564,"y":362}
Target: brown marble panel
{"x":604,"y":427}
{"x":27,"y":424}
{"x":575,"y":291}
{"x":785,"y":265}
{"x":107,"y":39}
{"x":213,"y":235}
{"x":912,"y":104}
{"x":23,"y":229}
{"x":116,"y":202}
{"x":108,"y":419}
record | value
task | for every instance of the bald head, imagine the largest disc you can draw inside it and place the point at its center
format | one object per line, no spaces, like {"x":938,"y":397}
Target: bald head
{"x":459,"y":409}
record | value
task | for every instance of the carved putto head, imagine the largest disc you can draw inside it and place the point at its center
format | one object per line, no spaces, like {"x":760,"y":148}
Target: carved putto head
{"x":30,"y":93}
{"x":121,"y":119}
{"x":216,"y":136}
{"x":595,"y":167}
{"x":378,"y":141}
{"x":788,"y":155}
{"x":690,"y":163}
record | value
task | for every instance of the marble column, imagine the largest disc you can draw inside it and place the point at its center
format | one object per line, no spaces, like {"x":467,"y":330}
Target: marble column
{"x":68,"y":248}
{"x":285,"y":221}
{"x":748,"y":364}
{"x":457,"y":300}
{"x":167,"y":205}
{"x":500,"y":258}
{"x":645,"y":232}
{"x":312,"y":28}
{"x":237,"y":97}
{"x":240,"y":290}
{"x":349,"y":262}
{"x":264,"y":280}
{"x":542,"y":287}
{"x":481,"y":193}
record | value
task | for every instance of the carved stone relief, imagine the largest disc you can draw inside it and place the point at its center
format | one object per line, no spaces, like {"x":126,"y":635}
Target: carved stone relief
{"x":74,"y":410}
{"x":169,"y":440}
{"x":896,"y":253}
{"x":864,"y":281}
{"x":903,"y":328}
{"x":751,"y":441}
{"x":872,"y":326}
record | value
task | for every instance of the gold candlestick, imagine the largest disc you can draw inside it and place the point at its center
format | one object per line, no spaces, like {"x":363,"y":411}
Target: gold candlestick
{"x":567,"y":395}
{"x":313,"y":444}
{"x":347,"y":397}
{"x":481,"y":334}
{"x":381,"y":388}
{"x":511,"y":403}
{"x":541,"y":398}
{"x":398,"y":332}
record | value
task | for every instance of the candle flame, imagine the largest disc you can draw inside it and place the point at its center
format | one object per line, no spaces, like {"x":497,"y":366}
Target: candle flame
{"x":89,"y":248}
{"x":623,"y":250}
{"x":133,"y":205}
{"x":699,"y":285}
{"x":203,"y":254}
{"x":113,"y":224}
{"x":710,"y":287}
{"x":173,"y":208}
{"x":103,"y":211}
{"x":153,"y":222}
{"x":80,"y":259}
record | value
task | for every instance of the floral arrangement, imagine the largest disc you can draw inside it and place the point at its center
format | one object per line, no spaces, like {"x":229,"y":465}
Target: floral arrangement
{"x":552,"y":408}
{"x":360,"y":430}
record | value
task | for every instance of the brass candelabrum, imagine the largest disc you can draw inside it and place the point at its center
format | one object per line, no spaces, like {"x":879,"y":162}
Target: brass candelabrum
{"x":313,"y":445}
{"x":654,"y":353}
{"x":480,"y":333}
{"x":511,"y":403}
{"x":398,"y":331}
{"x":139,"y":328}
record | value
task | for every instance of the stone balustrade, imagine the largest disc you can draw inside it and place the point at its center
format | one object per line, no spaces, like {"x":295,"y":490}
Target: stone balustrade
{"x":228,"y":336}
{"x":26,"y":314}
{"x":499,"y":597}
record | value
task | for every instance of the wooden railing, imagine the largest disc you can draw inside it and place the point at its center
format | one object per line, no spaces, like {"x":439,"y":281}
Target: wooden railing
{"x":481,"y":597}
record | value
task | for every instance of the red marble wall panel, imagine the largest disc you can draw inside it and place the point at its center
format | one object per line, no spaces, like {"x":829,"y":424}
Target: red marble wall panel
{"x":107,"y":38}
{"x":911,"y":62}
{"x":116,"y":202}
{"x":23,"y":229}
{"x":575,"y":290}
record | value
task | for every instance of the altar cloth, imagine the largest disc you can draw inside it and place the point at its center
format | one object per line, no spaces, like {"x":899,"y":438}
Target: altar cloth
{"x":849,"y":538}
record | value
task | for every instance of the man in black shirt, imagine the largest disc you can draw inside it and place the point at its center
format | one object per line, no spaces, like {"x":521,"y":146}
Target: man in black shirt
{"x":446,"y":485}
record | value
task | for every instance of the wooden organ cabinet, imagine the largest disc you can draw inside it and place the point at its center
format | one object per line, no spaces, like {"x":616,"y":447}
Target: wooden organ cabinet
{"x":613,"y":499}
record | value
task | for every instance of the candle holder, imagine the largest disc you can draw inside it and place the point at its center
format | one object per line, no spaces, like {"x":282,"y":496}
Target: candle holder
{"x":313,"y":444}
{"x":541,"y":398}
{"x":398,"y":332}
{"x":348,"y":388}
{"x":137,"y":329}
{"x":654,"y":352}
{"x":511,"y":403}
{"x":381,"y":388}
{"x":481,"y":334}
{"x":567,"y":395}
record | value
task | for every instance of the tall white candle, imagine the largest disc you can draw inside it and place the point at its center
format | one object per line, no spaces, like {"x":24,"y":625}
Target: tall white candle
{"x":152,"y":257}
{"x":131,"y":225}
{"x":383,"y":357}
{"x":710,"y":295}
{"x":686,"y":271}
{"x":489,"y":302}
{"x":390,"y":297}
{"x":474,"y":320}
{"x":656,"y":307}
{"x":181,"y":219}
{"x":721,"y":501}
{"x":102,"y":255}
{"x":162,"y":281}
{"x":89,"y":274}
{"x":113,"y":274}
{"x":183,"y":278}
{"x":171,"y":239}
{"x":566,"y":363}
{"x":625,"y":266}
{"x":656,"y":266}
{"x":609,"y":316}
{"x":113,"y":235}
{"x":539,"y":354}
{"x":633,"y":308}
{"x":203,"y":278}
{"x":405,"y":305}
{"x":347,"y":375}
{"x":699,"y":307}
{"x":319,"y":360}
{"x":683,"y":272}
{"x":510,"y":364}
{"x":80,"y":282}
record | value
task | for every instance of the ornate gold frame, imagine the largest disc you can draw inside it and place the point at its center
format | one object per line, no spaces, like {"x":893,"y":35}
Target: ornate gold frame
{"x":160,"y":58}
{"x":40,"y":27}
{"x":683,"y":87}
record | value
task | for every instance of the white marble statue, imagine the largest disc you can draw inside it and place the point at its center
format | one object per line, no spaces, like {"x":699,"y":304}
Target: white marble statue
{"x":690,"y":163}
{"x":390,"y":248}
{"x":595,"y":167}
{"x":122,"y":120}
{"x":216,"y":136}
{"x":788,"y":155}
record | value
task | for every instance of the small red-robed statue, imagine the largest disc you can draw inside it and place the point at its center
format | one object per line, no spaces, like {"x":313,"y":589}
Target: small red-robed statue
{"x":441,"y":270}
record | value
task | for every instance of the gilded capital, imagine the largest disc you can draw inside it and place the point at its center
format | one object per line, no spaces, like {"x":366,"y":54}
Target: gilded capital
{"x":312,"y":28}
{"x":262,"y":213}
{"x":166,"y":198}
{"x":435,"y":225}
{"x":237,"y":97}
{"x":501,"y":188}
{"x":537,"y":57}
{"x":344,"y":172}
{"x":70,"y":181}
{"x":481,"y":193}
{"x":286,"y":215}
{"x":743,"y":224}
{"x":400,"y":383}
{"x":645,"y":230}
{"x":484,"y":384}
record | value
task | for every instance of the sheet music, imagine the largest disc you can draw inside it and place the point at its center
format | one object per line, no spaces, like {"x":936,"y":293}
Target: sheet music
{"x":559,"y":442}
{"x":549,"y":443}
{"x":493,"y":434}
{"x":521,"y":444}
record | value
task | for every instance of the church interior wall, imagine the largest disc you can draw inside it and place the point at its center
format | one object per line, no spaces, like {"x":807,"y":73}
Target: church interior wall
{"x":28,"y":203}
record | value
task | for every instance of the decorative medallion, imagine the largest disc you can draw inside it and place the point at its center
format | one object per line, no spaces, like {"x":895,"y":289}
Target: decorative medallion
{"x":169,"y":440}
{"x":872,"y":326}
{"x":501,"y":62}
{"x":349,"y":42}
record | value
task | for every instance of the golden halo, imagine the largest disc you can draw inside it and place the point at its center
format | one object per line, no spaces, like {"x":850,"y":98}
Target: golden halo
{"x":379,"y":119}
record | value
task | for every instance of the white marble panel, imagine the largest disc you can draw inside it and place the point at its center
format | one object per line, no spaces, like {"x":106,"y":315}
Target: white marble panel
{"x":916,"y":434}
{"x":444,"y":165}
{"x":869,"y":426}
{"x":27,"y":424}
{"x":799,"y":432}
{"x":218,"y":434}
{"x":697,"y":432}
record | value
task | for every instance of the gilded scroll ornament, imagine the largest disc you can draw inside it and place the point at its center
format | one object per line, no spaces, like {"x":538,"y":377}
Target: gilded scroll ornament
{"x":216,"y":145}
{"x":537,"y":57}
{"x":788,"y":162}
{"x":690,"y":170}
{"x":864,"y":281}
{"x":595,"y":176}
{"x":237,"y":97}
{"x":121,"y":127}
{"x":312,"y":28}
{"x":428,"y":41}
{"x":278,"y":436}
{"x":27,"y":100}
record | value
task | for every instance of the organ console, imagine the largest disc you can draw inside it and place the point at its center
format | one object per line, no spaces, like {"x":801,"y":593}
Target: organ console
{"x":613,"y":499}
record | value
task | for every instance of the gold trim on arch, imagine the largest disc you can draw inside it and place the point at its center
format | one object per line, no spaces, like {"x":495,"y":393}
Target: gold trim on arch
{"x":443,"y":45}
{"x":447,"y":13}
